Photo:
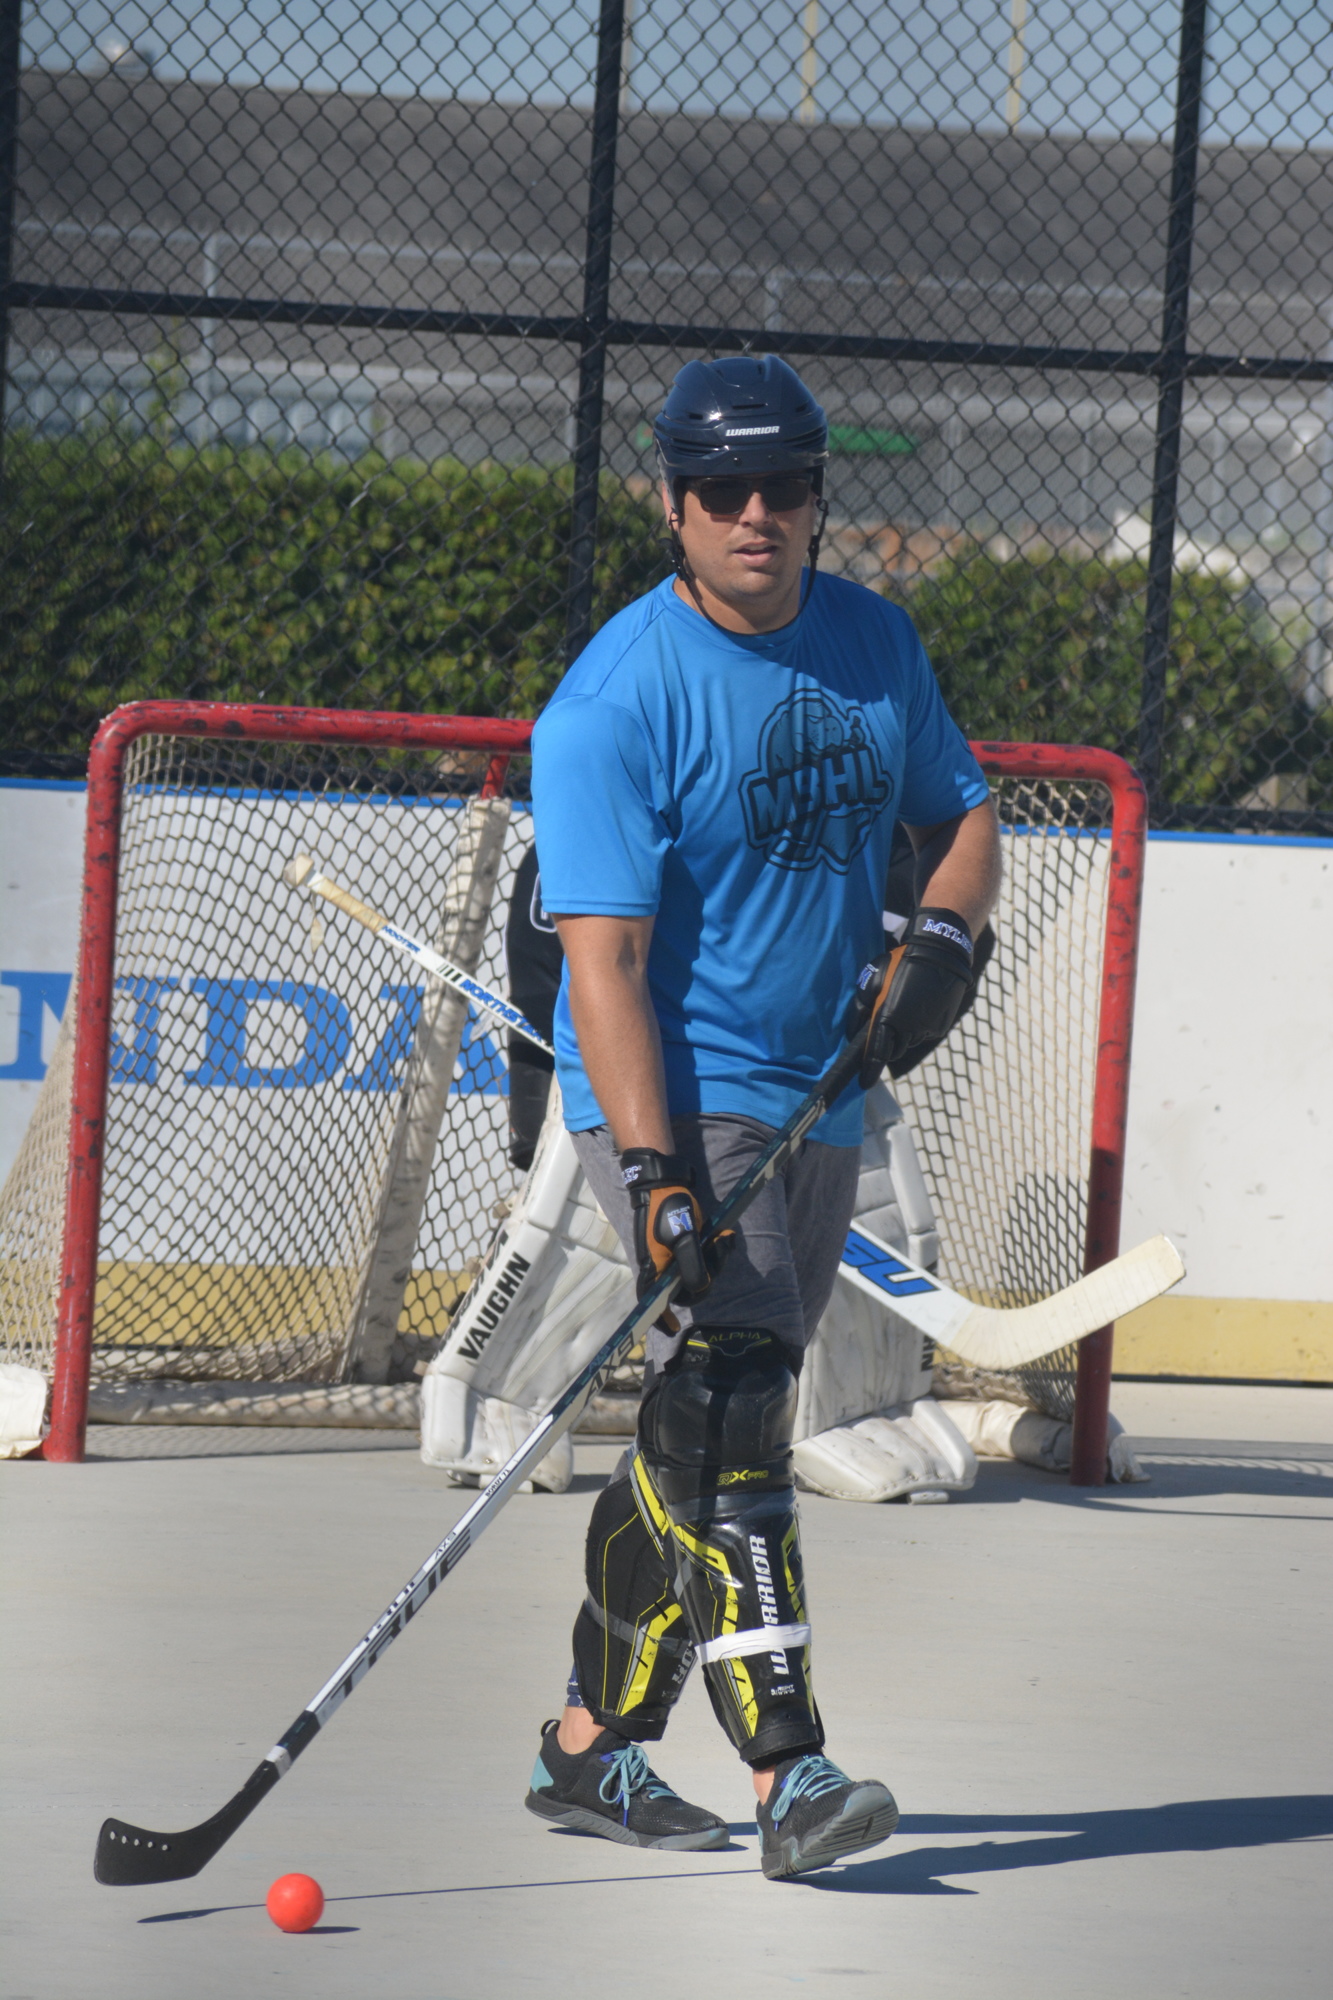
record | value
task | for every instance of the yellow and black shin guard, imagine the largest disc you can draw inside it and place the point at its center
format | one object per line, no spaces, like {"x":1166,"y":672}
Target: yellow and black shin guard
{"x":632,"y":1649}
{"x":712,"y":1478}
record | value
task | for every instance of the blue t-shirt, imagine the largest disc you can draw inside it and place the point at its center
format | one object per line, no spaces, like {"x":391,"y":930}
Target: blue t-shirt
{"x":743,"y":791}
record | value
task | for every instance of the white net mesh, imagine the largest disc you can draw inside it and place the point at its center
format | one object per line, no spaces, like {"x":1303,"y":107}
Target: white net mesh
{"x":1002,"y":1110}
{"x":267,"y":1064}
{"x":32,"y":1213}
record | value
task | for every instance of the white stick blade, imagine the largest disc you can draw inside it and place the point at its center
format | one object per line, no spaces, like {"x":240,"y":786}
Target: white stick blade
{"x":992,"y":1338}
{"x":296,"y":871}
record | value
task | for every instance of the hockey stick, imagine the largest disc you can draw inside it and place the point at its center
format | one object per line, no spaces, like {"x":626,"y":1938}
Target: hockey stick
{"x":129,"y":1855}
{"x":297,"y":875}
{"x":985,"y":1336}
{"x":1006,"y":1337}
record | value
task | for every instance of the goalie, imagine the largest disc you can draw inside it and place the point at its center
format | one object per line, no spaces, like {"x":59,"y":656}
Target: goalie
{"x":715,"y":785}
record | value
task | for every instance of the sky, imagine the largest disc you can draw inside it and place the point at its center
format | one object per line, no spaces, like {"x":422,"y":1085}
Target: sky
{"x":1086,"y":65}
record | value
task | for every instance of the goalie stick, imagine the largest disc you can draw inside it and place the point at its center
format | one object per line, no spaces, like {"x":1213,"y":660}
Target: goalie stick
{"x":129,"y":1855}
{"x":1009,"y":1336}
{"x":984,"y":1336}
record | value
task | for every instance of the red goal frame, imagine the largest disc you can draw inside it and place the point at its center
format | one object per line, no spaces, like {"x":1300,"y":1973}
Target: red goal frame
{"x":260,"y":723}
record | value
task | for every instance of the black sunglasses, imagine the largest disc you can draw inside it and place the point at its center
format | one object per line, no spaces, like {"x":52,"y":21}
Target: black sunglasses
{"x":781,"y":492}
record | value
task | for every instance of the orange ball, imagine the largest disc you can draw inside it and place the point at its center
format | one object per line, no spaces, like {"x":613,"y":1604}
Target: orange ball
{"x":295,"y":1902}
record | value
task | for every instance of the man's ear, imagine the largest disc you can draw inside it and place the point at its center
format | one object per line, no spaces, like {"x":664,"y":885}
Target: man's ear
{"x":669,"y":507}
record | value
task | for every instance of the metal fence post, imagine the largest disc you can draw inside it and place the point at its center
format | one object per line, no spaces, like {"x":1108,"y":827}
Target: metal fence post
{"x":11,"y":27}
{"x":1171,"y":392}
{"x":596,"y":307}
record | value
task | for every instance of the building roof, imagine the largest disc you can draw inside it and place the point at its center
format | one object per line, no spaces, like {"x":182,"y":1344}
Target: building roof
{"x":856,"y":229}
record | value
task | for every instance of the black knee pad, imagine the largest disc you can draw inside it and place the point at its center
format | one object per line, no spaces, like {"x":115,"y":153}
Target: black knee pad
{"x":719,"y":1419}
{"x":632,"y":1647}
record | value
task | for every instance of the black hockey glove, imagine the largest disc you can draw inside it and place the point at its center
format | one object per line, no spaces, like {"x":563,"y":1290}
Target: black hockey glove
{"x":913,"y":993}
{"x":668,"y":1221}
{"x":983,"y":950}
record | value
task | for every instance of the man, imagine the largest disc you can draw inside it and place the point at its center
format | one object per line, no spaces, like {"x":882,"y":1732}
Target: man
{"x":716,"y":783}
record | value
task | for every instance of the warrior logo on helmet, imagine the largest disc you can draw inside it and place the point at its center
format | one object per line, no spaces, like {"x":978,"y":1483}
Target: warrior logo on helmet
{"x":820,"y":785}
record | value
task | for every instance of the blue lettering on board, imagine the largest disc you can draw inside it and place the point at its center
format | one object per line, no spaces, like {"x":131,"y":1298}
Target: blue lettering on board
{"x":328,"y":1034}
{"x":482,"y":1070}
{"x":37,"y":991}
{"x":482,"y":1066}
{"x":137,"y":1063}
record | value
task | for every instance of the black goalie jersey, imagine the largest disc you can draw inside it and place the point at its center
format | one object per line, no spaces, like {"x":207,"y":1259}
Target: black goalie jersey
{"x":535,"y":960}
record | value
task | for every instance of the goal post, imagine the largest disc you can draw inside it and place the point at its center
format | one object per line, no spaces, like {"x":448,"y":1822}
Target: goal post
{"x":286,"y":1161}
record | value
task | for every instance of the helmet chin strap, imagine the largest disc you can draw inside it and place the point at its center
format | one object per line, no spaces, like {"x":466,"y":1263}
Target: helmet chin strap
{"x":680,"y":562}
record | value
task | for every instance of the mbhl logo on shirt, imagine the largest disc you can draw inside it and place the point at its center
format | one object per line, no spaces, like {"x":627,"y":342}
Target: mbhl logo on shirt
{"x":820,"y":785}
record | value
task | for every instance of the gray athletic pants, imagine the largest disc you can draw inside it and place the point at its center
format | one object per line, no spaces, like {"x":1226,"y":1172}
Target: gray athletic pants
{"x":789,"y":1243}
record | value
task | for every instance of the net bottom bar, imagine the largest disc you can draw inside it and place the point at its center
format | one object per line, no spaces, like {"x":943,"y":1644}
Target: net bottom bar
{"x":307,"y":1405}
{"x":356,"y":1405}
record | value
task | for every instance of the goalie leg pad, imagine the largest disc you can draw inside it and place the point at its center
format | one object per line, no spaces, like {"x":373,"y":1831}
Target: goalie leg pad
{"x":552,"y":1286}
{"x":712,"y":1478}
{"x":632,"y":1647}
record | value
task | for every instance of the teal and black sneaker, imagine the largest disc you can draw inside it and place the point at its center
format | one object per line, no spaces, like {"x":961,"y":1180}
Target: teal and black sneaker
{"x":612,"y":1791}
{"x":815,"y":1814}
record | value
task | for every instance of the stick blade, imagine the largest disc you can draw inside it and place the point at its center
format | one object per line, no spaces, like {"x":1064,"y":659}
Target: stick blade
{"x":994,"y":1338}
{"x":127,"y":1855}
{"x":296,"y":871}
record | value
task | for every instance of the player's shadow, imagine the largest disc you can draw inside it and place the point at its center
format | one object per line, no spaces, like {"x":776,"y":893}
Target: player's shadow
{"x":1190,"y":1826}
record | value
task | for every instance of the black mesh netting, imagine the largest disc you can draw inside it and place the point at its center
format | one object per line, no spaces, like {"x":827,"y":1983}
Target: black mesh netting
{"x":332,"y":337}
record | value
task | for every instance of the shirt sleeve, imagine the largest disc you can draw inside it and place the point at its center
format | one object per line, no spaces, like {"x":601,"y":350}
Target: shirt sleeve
{"x":941,"y":778}
{"x":596,"y":801}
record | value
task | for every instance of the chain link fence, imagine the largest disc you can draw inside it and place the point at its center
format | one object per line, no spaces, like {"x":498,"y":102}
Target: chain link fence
{"x":332,"y":337}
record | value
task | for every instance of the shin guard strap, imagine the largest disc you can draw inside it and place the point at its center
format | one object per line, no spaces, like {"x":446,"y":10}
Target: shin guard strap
{"x":632,"y":1635}
{"x":759,"y":1639}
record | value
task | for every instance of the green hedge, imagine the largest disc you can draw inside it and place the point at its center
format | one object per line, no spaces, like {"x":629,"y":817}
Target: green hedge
{"x":132,"y":571}
{"x":1052,"y":650}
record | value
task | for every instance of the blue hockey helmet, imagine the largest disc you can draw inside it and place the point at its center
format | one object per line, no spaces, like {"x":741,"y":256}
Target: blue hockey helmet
{"x":747,"y":413}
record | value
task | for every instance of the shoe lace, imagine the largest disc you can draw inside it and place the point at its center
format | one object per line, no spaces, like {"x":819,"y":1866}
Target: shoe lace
{"x":809,"y":1778}
{"x":627,"y":1773}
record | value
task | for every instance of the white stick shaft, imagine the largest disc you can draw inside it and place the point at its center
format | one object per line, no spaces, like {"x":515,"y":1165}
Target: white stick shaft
{"x":429,"y":961}
{"x":479,"y":1516}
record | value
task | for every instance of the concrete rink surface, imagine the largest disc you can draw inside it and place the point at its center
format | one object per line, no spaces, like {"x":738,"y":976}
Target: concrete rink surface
{"x":1105,"y":1716}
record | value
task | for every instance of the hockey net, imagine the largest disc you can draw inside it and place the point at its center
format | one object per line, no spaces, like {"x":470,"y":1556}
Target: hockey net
{"x":305,"y":1152}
